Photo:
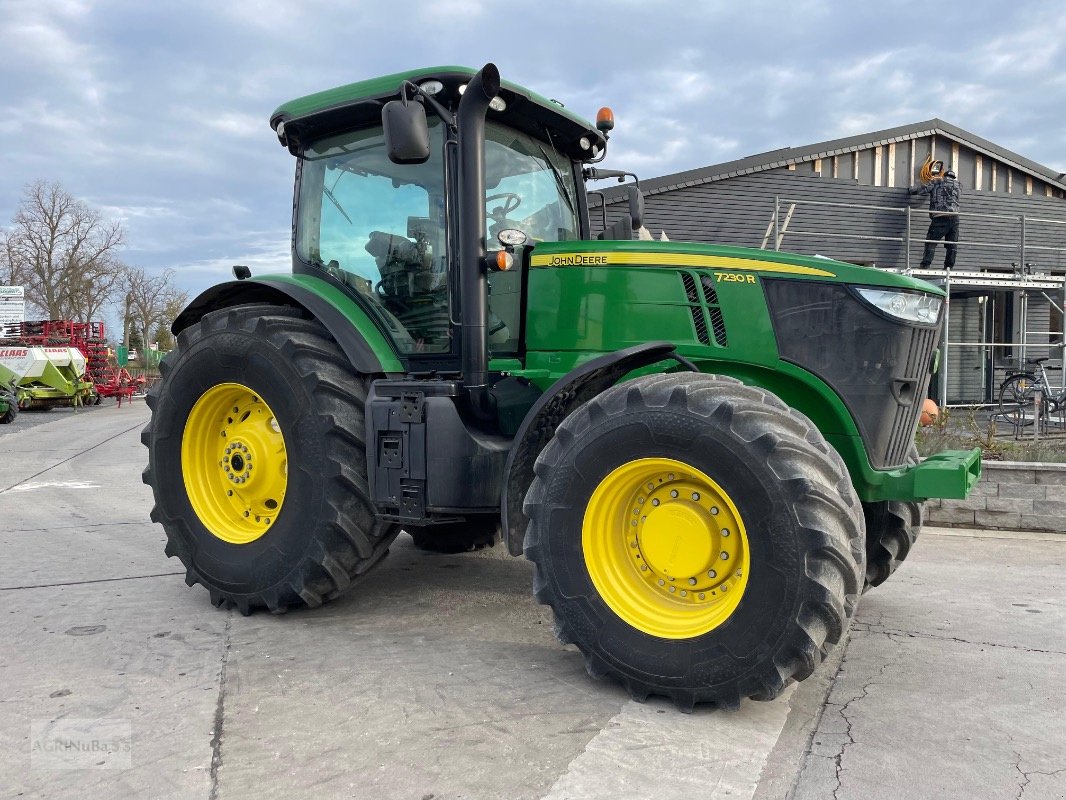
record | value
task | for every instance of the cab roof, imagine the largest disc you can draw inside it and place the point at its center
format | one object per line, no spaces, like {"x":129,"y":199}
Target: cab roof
{"x":356,"y":104}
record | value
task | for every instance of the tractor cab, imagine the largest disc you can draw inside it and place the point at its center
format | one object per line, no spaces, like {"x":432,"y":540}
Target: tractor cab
{"x":374,"y":220}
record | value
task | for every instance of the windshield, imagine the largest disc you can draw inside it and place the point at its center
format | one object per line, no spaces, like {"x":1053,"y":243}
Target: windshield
{"x":379,"y":227}
{"x":528,"y":187}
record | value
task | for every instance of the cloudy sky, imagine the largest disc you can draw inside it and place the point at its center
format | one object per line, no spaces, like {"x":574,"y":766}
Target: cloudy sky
{"x":155,"y":112}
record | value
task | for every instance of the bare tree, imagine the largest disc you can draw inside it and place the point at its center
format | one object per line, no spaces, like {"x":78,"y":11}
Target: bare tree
{"x":63,"y":253}
{"x":151,"y":300}
{"x":7,"y":265}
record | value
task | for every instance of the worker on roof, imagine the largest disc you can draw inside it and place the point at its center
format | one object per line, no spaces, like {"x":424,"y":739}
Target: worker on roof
{"x":944,"y":193}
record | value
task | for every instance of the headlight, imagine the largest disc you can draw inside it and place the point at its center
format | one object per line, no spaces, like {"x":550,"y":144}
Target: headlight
{"x":907,"y":306}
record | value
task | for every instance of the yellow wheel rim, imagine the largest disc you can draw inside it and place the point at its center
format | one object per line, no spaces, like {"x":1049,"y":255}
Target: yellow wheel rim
{"x":234,"y":463}
{"x":666,"y":548}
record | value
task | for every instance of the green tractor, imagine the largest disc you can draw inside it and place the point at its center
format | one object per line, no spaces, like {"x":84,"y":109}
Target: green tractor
{"x":706,"y":451}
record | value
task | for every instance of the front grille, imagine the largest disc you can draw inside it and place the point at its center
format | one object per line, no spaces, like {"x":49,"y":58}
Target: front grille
{"x":714,"y":308}
{"x":878,"y":366}
{"x":923,"y":342}
{"x":698,"y":320}
{"x":690,"y":287}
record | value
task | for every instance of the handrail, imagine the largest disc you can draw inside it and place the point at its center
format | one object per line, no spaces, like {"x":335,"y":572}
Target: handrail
{"x":906,"y":239}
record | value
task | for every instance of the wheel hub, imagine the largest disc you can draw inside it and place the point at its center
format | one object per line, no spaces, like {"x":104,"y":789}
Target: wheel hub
{"x":666,"y":547}
{"x":234,"y":463}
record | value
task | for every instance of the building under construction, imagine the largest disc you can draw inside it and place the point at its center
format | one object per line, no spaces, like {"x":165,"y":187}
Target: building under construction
{"x":848,"y":199}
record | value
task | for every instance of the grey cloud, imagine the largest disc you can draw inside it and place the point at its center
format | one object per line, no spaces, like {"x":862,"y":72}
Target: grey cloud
{"x":157,"y":112}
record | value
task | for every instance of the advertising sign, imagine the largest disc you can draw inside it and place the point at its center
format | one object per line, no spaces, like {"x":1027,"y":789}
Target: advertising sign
{"x":12,"y":305}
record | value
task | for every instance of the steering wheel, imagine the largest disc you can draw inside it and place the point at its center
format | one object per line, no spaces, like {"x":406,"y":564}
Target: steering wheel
{"x":511,"y":202}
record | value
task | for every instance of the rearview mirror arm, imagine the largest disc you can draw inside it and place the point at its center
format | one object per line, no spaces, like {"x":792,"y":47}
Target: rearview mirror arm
{"x":442,"y":112}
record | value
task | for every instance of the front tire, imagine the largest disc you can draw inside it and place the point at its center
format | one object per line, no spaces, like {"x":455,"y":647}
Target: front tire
{"x":257,"y":461}
{"x":12,"y":407}
{"x":892,"y":528}
{"x":752,"y":518}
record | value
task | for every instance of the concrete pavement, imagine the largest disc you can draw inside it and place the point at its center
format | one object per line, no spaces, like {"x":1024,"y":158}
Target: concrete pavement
{"x":439,"y":676}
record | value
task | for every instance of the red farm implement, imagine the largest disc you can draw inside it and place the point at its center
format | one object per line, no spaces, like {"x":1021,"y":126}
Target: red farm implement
{"x":88,"y":337}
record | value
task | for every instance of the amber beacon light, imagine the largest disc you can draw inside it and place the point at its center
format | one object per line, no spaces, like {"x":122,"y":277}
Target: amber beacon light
{"x":604,"y":120}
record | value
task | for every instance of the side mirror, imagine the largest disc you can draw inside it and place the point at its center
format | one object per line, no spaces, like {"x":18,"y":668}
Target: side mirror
{"x":636,"y":206}
{"x":406,"y":132}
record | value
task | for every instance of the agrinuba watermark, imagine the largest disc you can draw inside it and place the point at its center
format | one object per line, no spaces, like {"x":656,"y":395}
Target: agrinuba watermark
{"x":81,"y":744}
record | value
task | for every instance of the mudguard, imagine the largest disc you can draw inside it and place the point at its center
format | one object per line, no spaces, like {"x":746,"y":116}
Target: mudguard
{"x":572,"y":390}
{"x":364,"y":345}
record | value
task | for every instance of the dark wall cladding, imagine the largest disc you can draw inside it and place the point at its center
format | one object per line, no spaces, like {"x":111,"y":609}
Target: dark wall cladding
{"x":739,"y":211}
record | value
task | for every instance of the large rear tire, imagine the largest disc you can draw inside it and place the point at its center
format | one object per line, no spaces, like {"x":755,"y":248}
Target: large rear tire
{"x":695,"y":538}
{"x":257,"y":461}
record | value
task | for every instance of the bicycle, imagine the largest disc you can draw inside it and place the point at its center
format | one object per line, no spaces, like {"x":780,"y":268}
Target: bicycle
{"x":1018,"y":393}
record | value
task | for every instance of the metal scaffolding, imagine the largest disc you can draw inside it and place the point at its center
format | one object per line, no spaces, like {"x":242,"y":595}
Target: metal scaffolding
{"x":1022,"y":283}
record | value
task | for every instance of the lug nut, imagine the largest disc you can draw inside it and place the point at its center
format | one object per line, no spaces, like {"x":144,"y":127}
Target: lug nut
{"x":714,"y":510}
{"x":673,"y":492}
{"x":712,"y":574}
{"x":695,"y":495}
{"x":725,"y":531}
{"x":703,"y":596}
{"x":691,"y":581}
{"x":662,"y":582}
{"x":655,"y":501}
{"x":725,"y":556}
